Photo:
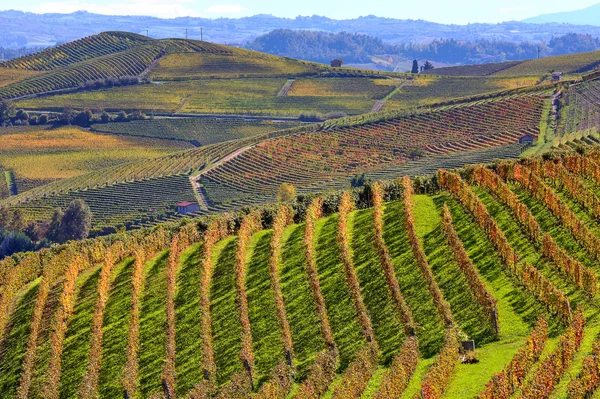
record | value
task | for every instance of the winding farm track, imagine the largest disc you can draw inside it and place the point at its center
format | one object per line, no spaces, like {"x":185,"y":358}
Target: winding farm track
{"x":202,"y":201}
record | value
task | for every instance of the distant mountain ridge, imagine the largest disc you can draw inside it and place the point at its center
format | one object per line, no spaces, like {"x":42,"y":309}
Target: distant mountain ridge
{"x":19,"y":29}
{"x":586,"y":16}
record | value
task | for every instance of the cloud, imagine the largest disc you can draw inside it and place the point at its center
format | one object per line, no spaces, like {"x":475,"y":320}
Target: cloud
{"x":155,"y":8}
{"x":225,"y":9}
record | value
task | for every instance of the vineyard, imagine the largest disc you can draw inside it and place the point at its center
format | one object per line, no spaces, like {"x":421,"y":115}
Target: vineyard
{"x":314,"y":159}
{"x":200,"y":132}
{"x":362,"y":294}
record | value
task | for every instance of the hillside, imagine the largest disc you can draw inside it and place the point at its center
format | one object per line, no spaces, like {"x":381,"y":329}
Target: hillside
{"x":324,"y":299}
{"x":585,"y":16}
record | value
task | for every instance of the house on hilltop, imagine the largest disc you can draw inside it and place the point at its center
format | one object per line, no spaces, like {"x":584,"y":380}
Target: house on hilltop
{"x":184,"y":208}
{"x":556,"y":76}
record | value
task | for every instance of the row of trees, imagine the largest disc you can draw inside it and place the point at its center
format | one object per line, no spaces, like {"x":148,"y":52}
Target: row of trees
{"x":11,"y":116}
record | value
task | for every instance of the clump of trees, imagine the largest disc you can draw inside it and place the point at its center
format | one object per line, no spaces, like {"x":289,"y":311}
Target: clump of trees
{"x":10,"y":116}
{"x":19,"y":235}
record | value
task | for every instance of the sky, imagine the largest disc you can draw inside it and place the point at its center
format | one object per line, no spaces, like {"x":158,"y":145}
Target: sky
{"x":443,"y":11}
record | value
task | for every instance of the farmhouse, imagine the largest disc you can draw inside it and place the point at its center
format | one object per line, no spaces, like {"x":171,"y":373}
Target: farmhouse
{"x":183,"y":208}
{"x":556,"y":76}
{"x":526,"y":139}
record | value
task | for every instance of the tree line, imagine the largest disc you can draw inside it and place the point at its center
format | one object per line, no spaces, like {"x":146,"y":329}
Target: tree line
{"x":358,"y":48}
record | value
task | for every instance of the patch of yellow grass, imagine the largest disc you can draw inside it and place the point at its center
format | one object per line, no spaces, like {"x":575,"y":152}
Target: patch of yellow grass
{"x":9,"y":75}
{"x":51,"y":154}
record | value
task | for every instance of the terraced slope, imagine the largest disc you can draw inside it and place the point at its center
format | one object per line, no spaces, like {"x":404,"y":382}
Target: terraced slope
{"x":79,"y":50}
{"x":200,"y":309}
{"x":316,"y":158}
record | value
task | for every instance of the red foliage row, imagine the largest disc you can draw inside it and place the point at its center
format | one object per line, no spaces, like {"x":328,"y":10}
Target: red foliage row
{"x":483,"y":296}
{"x":279,"y":385}
{"x":89,"y":385}
{"x":442,"y":306}
{"x":396,"y":379}
{"x":59,"y":328}
{"x":387,"y":264}
{"x":346,"y":206}
{"x":250,"y":224}
{"x":129,"y":379}
{"x":576,"y":189}
{"x":313,"y":213}
{"x":582,"y":165}
{"x":52,"y":272}
{"x":505,"y":383}
{"x":215,"y":232}
{"x":359,"y":372}
{"x":536,"y":186}
{"x":440,"y":373}
{"x":556,"y":364}
{"x":283,"y":217}
{"x":169,"y":374}
{"x":588,"y":381}
{"x":532,"y":279}
{"x":581,"y":275}
{"x":321,"y":375}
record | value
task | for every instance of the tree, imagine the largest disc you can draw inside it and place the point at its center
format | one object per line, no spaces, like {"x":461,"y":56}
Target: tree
{"x":427,"y":66}
{"x":7,"y":111}
{"x":67,"y":116}
{"x":83,"y":118}
{"x":104,"y":117}
{"x":287,"y":192}
{"x":54,"y":227}
{"x":415,"y":67}
{"x":76,"y":221}
{"x":43,"y":119}
{"x":358,"y":181}
{"x":15,"y":242}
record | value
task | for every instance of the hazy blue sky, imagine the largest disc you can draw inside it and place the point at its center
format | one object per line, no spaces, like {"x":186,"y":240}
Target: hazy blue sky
{"x":455,"y":11}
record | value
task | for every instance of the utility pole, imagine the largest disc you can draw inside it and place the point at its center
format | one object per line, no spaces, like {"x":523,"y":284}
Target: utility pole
{"x":147,"y":33}
{"x":539,"y":50}
{"x":186,"y":37}
{"x":201,"y":34}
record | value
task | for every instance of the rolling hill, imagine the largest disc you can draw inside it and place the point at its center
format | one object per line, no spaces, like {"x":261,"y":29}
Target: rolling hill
{"x":327,"y":300}
{"x":477,"y":278}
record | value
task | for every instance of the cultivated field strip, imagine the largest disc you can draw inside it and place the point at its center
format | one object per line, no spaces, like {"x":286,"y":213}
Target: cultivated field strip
{"x":311,"y":282}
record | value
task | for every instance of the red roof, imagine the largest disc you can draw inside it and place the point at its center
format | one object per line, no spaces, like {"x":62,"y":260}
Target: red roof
{"x":186,"y":203}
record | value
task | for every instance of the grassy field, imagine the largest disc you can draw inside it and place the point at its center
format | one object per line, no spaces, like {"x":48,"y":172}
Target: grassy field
{"x":252,"y":96}
{"x":427,"y":90}
{"x":236,"y":63}
{"x":37,"y":156}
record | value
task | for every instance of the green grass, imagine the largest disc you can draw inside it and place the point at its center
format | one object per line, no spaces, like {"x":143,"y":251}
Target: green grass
{"x":266,"y":333}
{"x":187,"y":322}
{"x":451,"y":280}
{"x":299,"y":301}
{"x":347,"y":332}
{"x":79,"y":335}
{"x":430,"y":328}
{"x":15,"y":344}
{"x":388,"y":328}
{"x":226,"y":328}
{"x":152,"y":325}
{"x":115,"y":328}
{"x":517,"y":310}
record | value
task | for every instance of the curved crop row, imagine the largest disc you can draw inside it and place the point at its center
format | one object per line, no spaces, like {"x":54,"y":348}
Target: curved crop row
{"x":443,"y":307}
{"x":581,"y":275}
{"x":250,"y":224}
{"x":588,"y":381}
{"x":556,"y":364}
{"x":387,"y":264}
{"x":483,"y":296}
{"x":505,"y":383}
{"x":440,"y":373}
{"x":533,"y":280}
{"x":396,"y":379}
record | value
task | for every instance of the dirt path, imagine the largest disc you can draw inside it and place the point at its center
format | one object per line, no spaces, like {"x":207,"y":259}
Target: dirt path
{"x":286,"y":88}
{"x":202,"y":201}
